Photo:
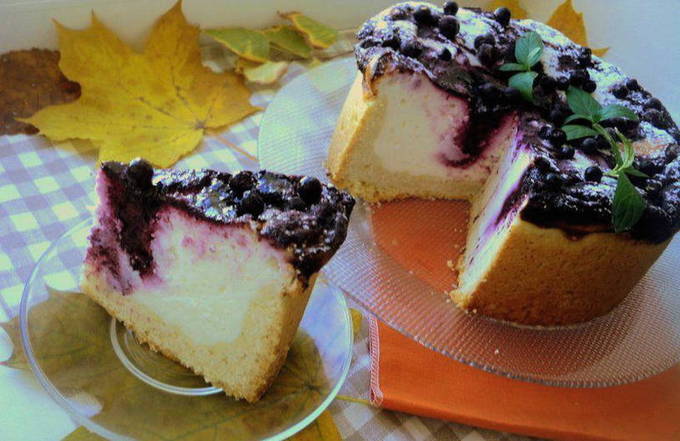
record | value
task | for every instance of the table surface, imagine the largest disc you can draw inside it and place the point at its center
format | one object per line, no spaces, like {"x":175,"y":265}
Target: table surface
{"x":47,"y":188}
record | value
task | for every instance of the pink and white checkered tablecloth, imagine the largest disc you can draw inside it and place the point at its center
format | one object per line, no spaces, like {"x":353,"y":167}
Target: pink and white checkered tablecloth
{"x":45,"y":189}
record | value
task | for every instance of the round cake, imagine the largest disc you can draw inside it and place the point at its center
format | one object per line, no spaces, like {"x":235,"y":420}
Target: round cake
{"x":571,"y":166}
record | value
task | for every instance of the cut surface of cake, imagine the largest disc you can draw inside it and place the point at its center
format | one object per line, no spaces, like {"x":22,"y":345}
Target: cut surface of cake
{"x":211,"y":269}
{"x":431,"y":115}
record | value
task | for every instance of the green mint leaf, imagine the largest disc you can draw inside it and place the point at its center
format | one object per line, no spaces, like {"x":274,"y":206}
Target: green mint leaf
{"x":534,"y":56}
{"x":575,"y":131}
{"x":617,"y":111}
{"x":635,"y":172}
{"x":511,"y":67}
{"x":576,"y":116}
{"x":628,"y":155}
{"x":524,"y":82}
{"x":582,"y":103}
{"x":628,"y":205}
{"x":525,"y":46}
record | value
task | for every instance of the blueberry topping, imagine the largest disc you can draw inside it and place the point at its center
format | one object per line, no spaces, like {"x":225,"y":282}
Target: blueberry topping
{"x":502,"y":16}
{"x":512,"y":95}
{"x":545,"y":132}
{"x":558,"y":137}
{"x":310,"y":189}
{"x":392,"y":42}
{"x":562,"y":83}
{"x":553,"y":180}
{"x":579,"y":77}
{"x":632,"y":84}
{"x":593,"y":174}
{"x":543,"y":164}
{"x":484,"y":39}
{"x":487,"y":54}
{"x":445,"y":55}
{"x":241,"y":182}
{"x":589,"y":86}
{"x":589,"y":146}
{"x":450,"y":8}
{"x":653,"y":187}
{"x":584,"y":58}
{"x":412,"y":48}
{"x":566,"y":152}
{"x":398,"y":14}
{"x":423,"y":15}
{"x":620,"y":91}
{"x":656,"y":118}
{"x":449,"y":27}
{"x":547,"y":83}
{"x":489,"y":91}
{"x":557,"y":115}
{"x":251,"y":203}
{"x":140,"y":173}
{"x":296,"y":203}
{"x":653,"y":103}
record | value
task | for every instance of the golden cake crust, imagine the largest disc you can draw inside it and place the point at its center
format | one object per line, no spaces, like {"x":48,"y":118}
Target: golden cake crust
{"x":244,"y":368}
{"x":543,"y":277}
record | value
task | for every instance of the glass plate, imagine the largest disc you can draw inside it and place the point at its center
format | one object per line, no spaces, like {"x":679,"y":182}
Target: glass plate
{"x":94,"y":368}
{"x":407,"y":291}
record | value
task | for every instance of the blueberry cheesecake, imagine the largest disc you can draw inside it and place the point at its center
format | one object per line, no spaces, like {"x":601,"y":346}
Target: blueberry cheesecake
{"x":571,"y":167}
{"x":212,"y":269}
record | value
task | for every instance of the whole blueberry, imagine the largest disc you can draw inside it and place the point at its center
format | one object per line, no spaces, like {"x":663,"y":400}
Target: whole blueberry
{"x":578,"y":77}
{"x":502,"y":16}
{"x":484,"y":39}
{"x":412,"y":48}
{"x":558,"y":137}
{"x":593,"y":174}
{"x":251,"y":203}
{"x":423,"y":15}
{"x":653,"y":103}
{"x":448,"y":26}
{"x":620,"y":91}
{"x":450,"y":8}
{"x":647,"y":166}
{"x":241,"y":181}
{"x":310,"y":190}
{"x":656,"y":118}
{"x":445,"y":55}
{"x":397,"y":14}
{"x":553,"y":180}
{"x":602,"y":143}
{"x":545,"y":132}
{"x":589,"y":86}
{"x":140,"y":172}
{"x":547,"y":83}
{"x":566,"y":152}
{"x":632,"y":84}
{"x":542,"y":164}
{"x":589,"y":145}
{"x":671,"y":153}
{"x":562,"y":83}
{"x":487,"y":54}
{"x":557,"y":115}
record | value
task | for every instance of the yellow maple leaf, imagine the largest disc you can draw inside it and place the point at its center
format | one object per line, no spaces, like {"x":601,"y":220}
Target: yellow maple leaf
{"x":288,"y":39}
{"x":518,"y":12}
{"x":566,"y":20}
{"x":322,"y":429}
{"x":156,"y":104}
{"x":318,"y":34}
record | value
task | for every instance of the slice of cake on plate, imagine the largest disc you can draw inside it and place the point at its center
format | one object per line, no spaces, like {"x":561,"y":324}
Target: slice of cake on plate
{"x":431,"y":114}
{"x":211,"y":269}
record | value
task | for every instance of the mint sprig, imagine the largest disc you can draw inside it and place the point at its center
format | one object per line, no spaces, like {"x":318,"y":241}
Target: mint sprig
{"x":628,"y":204}
{"x":528,"y":51}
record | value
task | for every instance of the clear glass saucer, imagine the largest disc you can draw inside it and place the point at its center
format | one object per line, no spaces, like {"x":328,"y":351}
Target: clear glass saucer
{"x":640,"y":338}
{"x":108,"y":382}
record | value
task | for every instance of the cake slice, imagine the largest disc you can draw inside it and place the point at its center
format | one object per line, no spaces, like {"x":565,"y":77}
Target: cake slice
{"x":211,"y":269}
{"x":431,"y":114}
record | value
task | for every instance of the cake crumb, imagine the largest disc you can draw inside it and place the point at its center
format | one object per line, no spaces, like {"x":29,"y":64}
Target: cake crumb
{"x":450,"y":264}
{"x":496,"y":352}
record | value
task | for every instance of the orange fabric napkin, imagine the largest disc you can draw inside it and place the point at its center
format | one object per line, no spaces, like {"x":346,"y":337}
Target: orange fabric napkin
{"x":408,"y":377}
{"x":426,"y":237}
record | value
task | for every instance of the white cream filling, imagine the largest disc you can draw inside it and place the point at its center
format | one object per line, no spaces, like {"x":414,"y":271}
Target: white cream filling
{"x":207,"y":277}
{"x":418,"y":132}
